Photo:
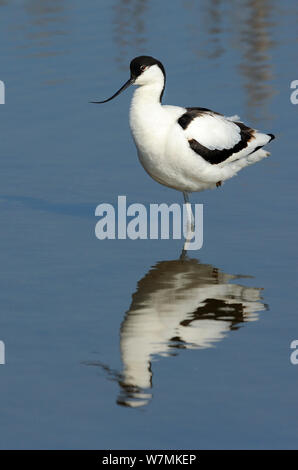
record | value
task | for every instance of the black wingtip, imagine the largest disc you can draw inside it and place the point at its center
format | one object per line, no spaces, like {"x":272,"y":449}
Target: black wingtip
{"x":272,"y":137}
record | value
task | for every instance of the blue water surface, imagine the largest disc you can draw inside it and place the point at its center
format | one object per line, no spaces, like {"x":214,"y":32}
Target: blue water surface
{"x":119,"y":343}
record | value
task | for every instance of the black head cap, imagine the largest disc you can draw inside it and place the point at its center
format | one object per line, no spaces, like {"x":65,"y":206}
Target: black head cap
{"x":138,"y":63}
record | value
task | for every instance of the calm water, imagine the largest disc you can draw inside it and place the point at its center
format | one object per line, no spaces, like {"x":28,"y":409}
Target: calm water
{"x":121,"y":344}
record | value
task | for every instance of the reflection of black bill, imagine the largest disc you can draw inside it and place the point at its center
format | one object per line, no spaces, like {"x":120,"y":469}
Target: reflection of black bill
{"x":126,"y":85}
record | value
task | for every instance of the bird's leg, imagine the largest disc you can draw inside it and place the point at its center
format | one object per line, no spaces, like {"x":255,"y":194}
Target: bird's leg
{"x":190,"y":217}
{"x":183,"y":255}
{"x":186,"y":244}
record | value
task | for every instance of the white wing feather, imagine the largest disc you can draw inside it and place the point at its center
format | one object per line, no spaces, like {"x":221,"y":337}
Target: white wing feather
{"x":214,"y":131}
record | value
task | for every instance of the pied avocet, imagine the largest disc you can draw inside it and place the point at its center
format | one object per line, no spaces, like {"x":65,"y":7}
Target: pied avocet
{"x":188,"y":149}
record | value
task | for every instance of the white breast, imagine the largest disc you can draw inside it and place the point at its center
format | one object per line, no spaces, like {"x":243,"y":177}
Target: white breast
{"x":150,"y":124}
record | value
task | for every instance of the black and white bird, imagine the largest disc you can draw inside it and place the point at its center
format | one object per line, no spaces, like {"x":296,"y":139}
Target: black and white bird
{"x":187,"y":149}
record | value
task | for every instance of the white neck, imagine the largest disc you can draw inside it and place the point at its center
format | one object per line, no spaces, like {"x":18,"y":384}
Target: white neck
{"x":149,"y":94}
{"x":145,"y":112}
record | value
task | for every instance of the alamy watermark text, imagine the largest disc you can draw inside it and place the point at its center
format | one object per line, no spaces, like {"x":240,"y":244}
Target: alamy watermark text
{"x":161,"y":221}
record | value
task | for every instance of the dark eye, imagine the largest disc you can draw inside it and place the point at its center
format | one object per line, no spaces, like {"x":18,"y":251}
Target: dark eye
{"x":143,"y":67}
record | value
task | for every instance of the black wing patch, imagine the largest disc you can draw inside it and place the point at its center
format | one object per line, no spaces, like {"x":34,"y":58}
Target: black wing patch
{"x":214,"y":156}
{"x":218,"y":156}
{"x":193,"y":113}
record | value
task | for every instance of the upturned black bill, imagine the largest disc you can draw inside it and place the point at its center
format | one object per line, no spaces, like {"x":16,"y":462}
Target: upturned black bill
{"x":126,"y":85}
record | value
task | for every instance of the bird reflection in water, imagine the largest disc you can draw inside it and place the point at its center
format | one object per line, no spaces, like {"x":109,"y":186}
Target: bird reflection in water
{"x":178,"y":304}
